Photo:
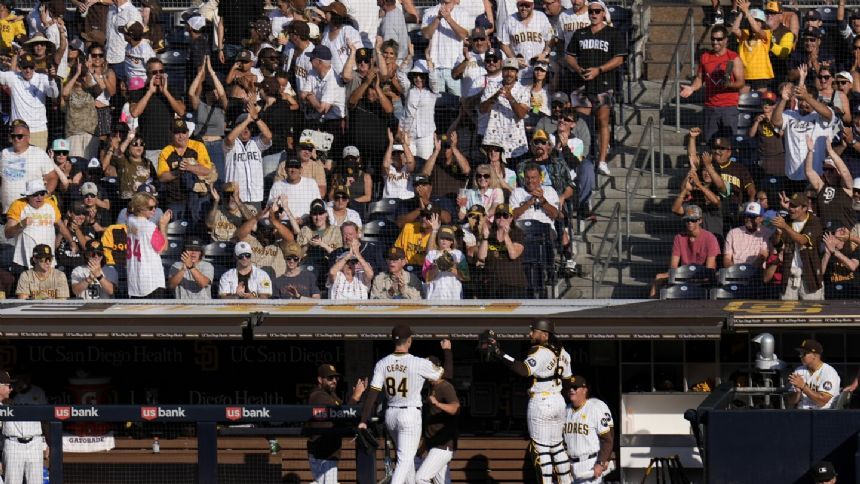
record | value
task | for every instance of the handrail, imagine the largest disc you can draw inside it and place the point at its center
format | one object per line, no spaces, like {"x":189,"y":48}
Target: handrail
{"x":628,"y":193}
{"x":614,"y":220}
{"x":689,"y":22}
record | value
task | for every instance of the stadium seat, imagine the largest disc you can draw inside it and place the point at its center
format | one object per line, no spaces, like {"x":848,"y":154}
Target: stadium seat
{"x":383,"y":231}
{"x":745,"y":120}
{"x":828,"y":15}
{"x":622,"y":18}
{"x":742,"y":274}
{"x":174,"y":250}
{"x":691,"y":275}
{"x":382,"y":209}
{"x":413,"y":268}
{"x":684,"y":291}
{"x":732,"y":291}
{"x":177,"y":227}
{"x":175,"y":63}
{"x":750,"y":101}
{"x":538,"y":257}
{"x":219,"y":253}
{"x":840,"y":291}
{"x":842,"y":401}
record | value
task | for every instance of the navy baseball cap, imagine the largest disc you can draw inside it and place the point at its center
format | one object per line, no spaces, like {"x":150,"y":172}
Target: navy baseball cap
{"x":321,"y":52}
{"x":493,"y":54}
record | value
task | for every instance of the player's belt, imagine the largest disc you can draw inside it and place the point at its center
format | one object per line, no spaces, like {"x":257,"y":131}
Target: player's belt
{"x":418,"y":407}
{"x":23,"y":440}
{"x":583,"y":457}
{"x":542,"y":394}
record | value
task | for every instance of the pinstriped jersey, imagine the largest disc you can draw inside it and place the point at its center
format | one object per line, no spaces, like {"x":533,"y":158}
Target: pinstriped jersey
{"x":401,"y":377}
{"x":583,"y":426}
{"x":547,"y":370}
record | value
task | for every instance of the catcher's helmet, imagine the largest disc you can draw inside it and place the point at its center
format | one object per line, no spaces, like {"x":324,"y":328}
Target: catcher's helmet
{"x":544,"y":325}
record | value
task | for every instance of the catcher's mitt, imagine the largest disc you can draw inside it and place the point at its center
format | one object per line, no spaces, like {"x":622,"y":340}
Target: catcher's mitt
{"x":366,"y":439}
{"x":488,"y":347}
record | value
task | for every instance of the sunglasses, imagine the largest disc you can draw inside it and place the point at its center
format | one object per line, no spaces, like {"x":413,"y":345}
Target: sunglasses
{"x":332,"y":378}
{"x":824,"y":77}
{"x":18,"y":136}
{"x":594,"y":11}
{"x":843,"y":82}
{"x":290,"y":258}
{"x":363,"y":61}
{"x":810,"y":39}
{"x":692,"y":220}
{"x":89,"y":195}
{"x":479,"y":38}
{"x":94,"y":254}
{"x":474,"y":217}
{"x":156,"y":72}
{"x":492,"y":60}
{"x":247,"y":256}
{"x":503,"y":215}
{"x":482,"y":175}
{"x":46,"y":258}
{"x":341,"y":197}
{"x":717,"y":39}
{"x":61,"y":153}
{"x":151,"y":207}
{"x":539,"y":142}
{"x":138,"y":143}
{"x":96,"y":56}
{"x":27,"y":68}
{"x":39,"y":194}
{"x":524,"y":5}
{"x":568,"y":120}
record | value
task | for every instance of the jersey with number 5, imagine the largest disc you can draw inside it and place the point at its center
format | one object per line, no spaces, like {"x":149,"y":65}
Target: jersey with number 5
{"x":401,"y":377}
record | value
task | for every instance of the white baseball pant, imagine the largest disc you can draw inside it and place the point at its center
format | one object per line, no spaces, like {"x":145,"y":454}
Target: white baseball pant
{"x":323,"y":471}
{"x":23,"y":462}
{"x":434,"y":468}
{"x":585,"y":467}
{"x":546,"y":422}
{"x":404,"y":426}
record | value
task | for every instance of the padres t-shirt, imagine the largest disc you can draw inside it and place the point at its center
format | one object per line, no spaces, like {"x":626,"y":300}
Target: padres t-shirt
{"x":195,"y":154}
{"x":595,"y":49}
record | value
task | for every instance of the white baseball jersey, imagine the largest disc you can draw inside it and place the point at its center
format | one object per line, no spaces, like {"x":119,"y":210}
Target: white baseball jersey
{"x":258,"y":282}
{"x":145,"y":272}
{"x":475,"y":75}
{"x":302,"y":64}
{"x":569,"y":22}
{"x":244,"y":165}
{"x":526,"y":39}
{"x":824,"y":379}
{"x":444,"y":45}
{"x":583,"y":425}
{"x":547,"y":370}
{"x":339,"y":45}
{"x":401,"y":377}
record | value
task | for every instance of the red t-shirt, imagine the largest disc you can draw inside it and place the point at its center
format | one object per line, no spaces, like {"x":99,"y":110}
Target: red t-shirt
{"x":713,"y":70}
{"x":695,"y":251}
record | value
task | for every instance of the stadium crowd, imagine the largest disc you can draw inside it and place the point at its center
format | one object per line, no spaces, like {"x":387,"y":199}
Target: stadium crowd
{"x":776,"y":190}
{"x":295,"y":151}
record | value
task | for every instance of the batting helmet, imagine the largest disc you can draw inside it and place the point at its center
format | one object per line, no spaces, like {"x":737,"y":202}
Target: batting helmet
{"x":544,"y":325}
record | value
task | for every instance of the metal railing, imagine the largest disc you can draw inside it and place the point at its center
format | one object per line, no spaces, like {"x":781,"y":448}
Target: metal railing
{"x":603,"y":264}
{"x":689,"y":23}
{"x":628,"y":192}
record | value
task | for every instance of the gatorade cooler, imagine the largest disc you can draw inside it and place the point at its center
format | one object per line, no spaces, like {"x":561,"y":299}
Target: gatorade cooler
{"x":89,"y":391}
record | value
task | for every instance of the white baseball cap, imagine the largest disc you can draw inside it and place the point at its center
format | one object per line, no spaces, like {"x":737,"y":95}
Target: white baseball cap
{"x":752,"y":209}
{"x":242,"y":248}
{"x":351,"y":151}
{"x":34,"y":186}
{"x":60,"y":144}
{"x":89,"y":188}
{"x":197,"y":23}
{"x":857,"y":183}
{"x":397,"y":147}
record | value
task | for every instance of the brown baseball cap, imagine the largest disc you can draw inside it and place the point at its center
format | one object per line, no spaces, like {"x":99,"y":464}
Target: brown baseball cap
{"x":326,"y":370}
{"x":336,"y":8}
{"x":395,"y":253}
{"x":578,"y":381}
{"x":800,"y":199}
{"x":401,"y":332}
{"x":810,"y":346}
{"x":5,"y":379}
{"x":721,"y":143}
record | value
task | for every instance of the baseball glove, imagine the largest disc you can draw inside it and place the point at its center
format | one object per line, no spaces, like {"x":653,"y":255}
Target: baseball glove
{"x":366,"y":439}
{"x":488,"y":347}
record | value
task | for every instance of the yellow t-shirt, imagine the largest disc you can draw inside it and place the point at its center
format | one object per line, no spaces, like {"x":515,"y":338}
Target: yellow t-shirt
{"x":414,"y":242}
{"x":11,"y":27}
{"x":754,"y":54}
{"x":195,"y":152}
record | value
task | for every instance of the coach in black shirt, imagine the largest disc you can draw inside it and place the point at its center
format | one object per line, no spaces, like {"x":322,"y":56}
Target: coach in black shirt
{"x":594,"y":53}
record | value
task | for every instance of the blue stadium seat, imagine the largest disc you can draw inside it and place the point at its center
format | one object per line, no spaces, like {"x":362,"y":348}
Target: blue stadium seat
{"x":174,"y":250}
{"x":383,"y":209}
{"x":841,"y":291}
{"x":220,"y":253}
{"x":383,"y":231}
{"x":731,"y":291}
{"x":750,"y":101}
{"x":684,"y":291}
{"x":828,"y":15}
{"x":177,"y":227}
{"x":691,"y":275}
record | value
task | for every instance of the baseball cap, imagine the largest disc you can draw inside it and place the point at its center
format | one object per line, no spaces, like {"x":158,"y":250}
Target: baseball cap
{"x":397,"y":147}
{"x":26,"y":61}
{"x":692,"y":212}
{"x":193,"y":243}
{"x":42,"y":250}
{"x":196,"y":23}
{"x":823,"y":471}
{"x":242,"y":248}
{"x":336,"y":8}
{"x":401,"y":332}
{"x":856,"y":184}
{"x":306,"y":139}
{"x":810,"y":346}
{"x":721,"y":143}
{"x":351,"y":151}
{"x":813,"y":14}
{"x":419,"y":179}
{"x":179,"y":126}
{"x":773,"y":7}
{"x":493,"y":54}
{"x":477,"y":210}
{"x":855,"y":14}
{"x":447,"y":232}
{"x":229,"y":187}
{"x":478,"y":32}
{"x":244,"y":56}
{"x":321,"y":52}
{"x":800,"y":199}
{"x":147,"y":188}
{"x":578,"y":381}
{"x":752,"y":209}
{"x":363,"y":54}
{"x":540,"y":135}
{"x":89,"y":188}
{"x":560,"y":98}
{"x":341,"y":189}
{"x":317,"y":207}
{"x":34,"y":186}
{"x":814,"y":33}
{"x":769,"y":96}
{"x":60,"y":144}
{"x":326,"y":370}
{"x":292,"y":249}
{"x":845,"y":75}
{"x":93,"y":245}
{"x":540,"y":64}
{"x":395,"y":253}
{"x":503,"y":209}
{"x":292,"y":163}
{"x":300,"y":28}
{"x":758,"y":14}
{"x":511,"y":63}
{"x":5,"y":378}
